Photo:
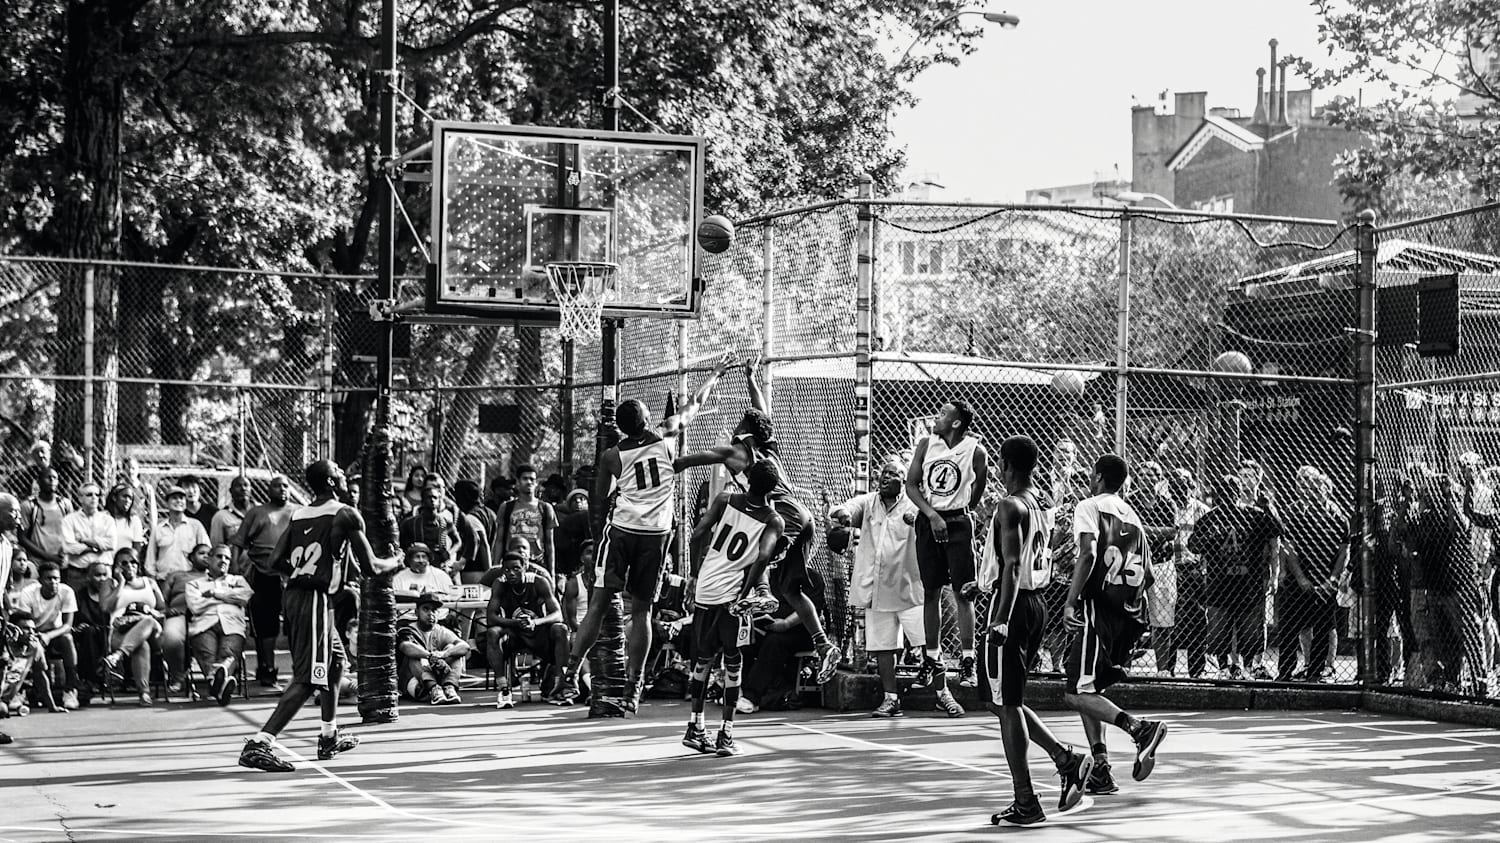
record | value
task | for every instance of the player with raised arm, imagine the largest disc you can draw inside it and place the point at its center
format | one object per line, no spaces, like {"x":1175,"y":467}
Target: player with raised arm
{"x":311,"y":554}
{"x":741,"y":530}
{"x":946,"y":479}
{"x":1107,"y":611}
{"x":1018,"y":562}
{"x":633,"y":535}
{"x":753,"y":440}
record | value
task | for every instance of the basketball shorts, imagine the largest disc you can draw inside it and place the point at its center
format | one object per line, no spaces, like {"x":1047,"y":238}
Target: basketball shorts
{"x":715,"y":631}
{"x":265,"y":603}
{"x":789,"y":571}
{"x":632,"y":562}
{"x":537,"y":642}
{"x":1099,"y":652}
{"x":1004,"y":668}
{"x":883,"y":630}
{"x":950,"y":562}
{"x":317,"y":651}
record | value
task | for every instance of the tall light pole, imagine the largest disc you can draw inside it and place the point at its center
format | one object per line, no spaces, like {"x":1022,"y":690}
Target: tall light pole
{"x":1005,"y":19}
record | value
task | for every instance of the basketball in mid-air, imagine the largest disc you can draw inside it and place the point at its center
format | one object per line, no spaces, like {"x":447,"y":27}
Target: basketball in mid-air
{"x":1068,"y":382}
{"x":715,"y":234}
{"x":1232,"y":361}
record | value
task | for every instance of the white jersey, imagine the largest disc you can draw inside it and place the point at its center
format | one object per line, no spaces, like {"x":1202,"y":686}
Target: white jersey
{"x":733,"y":546}
{"x":646,"y":485}
{"x":948,"y":473}
{"x":1036,"y":558}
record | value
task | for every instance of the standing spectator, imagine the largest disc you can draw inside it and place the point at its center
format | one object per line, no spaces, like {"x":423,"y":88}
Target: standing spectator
{"x":411,"y":492}
{"x":40,"y":532}
{"x":91,"y":628}
{"x":436,"y":524}
{"x":572,"y":535}
{"x":432,"y":656}
{"x":530,"y":518}
{"x":502,"y":490}
{"x":468,"y":496}
{"x":39,"y":459}
{"x":583,"y":477}
{"x":217,"y":601}
{"x":88,"y":534}
{"x":9,"y":507}
{"x":1384,"y":534}
{"x":174,"y":537}
{"x":1316,"y":556}
{"x":135,"y":611}
{"x":481,"y":527}
{"x":554,"y":490}
{"x":140,"y":500}
{"x":257,"y":537}
{"x":197,"y":508}
{"x":1158,"y":517}
{"x":886,"y":582}
{"x":126,"y":528}
{"x":52,"y":607}
{"x":226,"y":522}
{"x":1191,"y":630}
{"x":1454,"y":599}
{"x":1239,"y":543}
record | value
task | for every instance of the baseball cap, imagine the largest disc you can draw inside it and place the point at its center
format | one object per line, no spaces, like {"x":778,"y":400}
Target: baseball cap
{"x":174,"y":490}
{"x":418,"y":547}
{"x":429,"y":599}
{"x":578,"y":493}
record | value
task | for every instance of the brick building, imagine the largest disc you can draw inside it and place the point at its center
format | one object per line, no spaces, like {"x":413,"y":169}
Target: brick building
{"x":1279,"y":160}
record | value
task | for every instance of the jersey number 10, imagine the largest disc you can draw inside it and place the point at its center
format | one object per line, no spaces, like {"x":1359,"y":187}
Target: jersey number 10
{"x":737,"y":545}
{"x":640,"y":474}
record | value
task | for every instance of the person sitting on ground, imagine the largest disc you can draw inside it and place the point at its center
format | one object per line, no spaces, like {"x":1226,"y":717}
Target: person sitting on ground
{"x":432,"y":656}
{"x":25,"y":656}
{"x":419,"y":577}
{"x":523,"y":616}
{"x":217,"y":626}
{"x":52,"y":608}
{"x":135,"y":622}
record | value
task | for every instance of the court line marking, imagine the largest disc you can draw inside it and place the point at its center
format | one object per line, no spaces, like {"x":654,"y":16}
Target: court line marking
{"x":900,"y":749}
{"x":1390,"y":731}
{"x":372,"y":798}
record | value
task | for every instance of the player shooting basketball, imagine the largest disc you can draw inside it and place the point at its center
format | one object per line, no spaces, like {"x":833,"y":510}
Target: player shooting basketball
{"x":753,"y":440}
{"x":634,"y":536}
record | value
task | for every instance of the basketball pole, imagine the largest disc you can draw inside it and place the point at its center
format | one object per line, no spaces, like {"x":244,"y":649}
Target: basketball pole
{"x":386,"y":201}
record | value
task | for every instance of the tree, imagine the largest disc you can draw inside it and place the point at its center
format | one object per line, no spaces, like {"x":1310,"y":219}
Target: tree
{"x":1422,"y":146}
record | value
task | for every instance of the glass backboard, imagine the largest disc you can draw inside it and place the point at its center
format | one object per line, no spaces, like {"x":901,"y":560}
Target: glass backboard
{"x":507,"y":200}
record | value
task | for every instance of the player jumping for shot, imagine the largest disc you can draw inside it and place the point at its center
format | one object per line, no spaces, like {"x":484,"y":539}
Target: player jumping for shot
{"x":753,"y":440}
{"x":741,"y":530}
{"x":633,"y":536}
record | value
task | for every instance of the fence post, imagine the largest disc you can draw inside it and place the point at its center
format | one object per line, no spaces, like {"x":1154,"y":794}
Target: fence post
{"x":1122,"y":334}
{"x":864,"y":273}
{"x":88,"y":374}
{"x":325,"y":410}
{"x":1364,"y":434}
{"x":767,"y":308}
{"x":569,"y":364}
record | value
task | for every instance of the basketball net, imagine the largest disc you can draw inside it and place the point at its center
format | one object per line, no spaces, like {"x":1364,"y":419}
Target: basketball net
{"x":580,"y":288}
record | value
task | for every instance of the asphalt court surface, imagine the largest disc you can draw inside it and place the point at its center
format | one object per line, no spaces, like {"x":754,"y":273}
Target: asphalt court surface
{"x":470,"y":772}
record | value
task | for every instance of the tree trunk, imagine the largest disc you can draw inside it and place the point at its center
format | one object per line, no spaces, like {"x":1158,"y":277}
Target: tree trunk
{"x":465,"y":405}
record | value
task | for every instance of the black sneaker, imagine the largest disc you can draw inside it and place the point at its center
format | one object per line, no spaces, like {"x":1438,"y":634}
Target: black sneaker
{"x":927,"y":674}
{"x":1101,"y":782}
{"x":1029,"y":813}
{"x":889,"y":708}
{"x":696,"y":738}
{"x":1146,"y":741}
{"x":724,"y":745}
{"x":109,"y":668}
{"x":339,"y":741}
{"x":5,"y":739}
{"x":258,"y":756}
{"x":1074,"y":773}
{"x":968,"y":677}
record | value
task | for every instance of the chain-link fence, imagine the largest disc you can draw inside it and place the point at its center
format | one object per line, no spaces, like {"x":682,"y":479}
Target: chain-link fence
{"x":1220,"y":355}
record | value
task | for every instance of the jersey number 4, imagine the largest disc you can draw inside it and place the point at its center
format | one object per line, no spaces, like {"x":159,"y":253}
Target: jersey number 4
{"x":304,"y":559}
{"x":640,"y":474}
{"x":738,"y":543}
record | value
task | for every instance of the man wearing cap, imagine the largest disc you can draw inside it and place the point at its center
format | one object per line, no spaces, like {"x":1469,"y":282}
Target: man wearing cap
{"x":432,"y":656}
{"x":419,"y":577}
{"x":523,"y":616}
{"x":174,"y":537}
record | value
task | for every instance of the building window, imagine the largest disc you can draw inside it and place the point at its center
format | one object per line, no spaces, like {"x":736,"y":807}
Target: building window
{"x":908,"y":258}
{"x":1216,"y":205}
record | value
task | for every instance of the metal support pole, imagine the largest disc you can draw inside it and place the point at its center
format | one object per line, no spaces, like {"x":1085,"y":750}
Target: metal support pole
{"x":385,"y":193}
{"x":1122,"y":334}
{"x":325,"y":413}
{"x":864,"y":280}
{"x":566,"y":406}
{"x":768,"y":308}
{"x":88,"y":372}
{"x":1364,"y":433}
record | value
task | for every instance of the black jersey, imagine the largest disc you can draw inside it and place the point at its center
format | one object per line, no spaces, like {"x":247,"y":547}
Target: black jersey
{"x":314,"y":561}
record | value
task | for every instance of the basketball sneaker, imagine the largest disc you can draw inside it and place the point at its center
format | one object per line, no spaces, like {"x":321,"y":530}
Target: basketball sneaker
{"x":948,"y":705}
{"x":1101,"y":782}
{"x":258,"y":756}
{"x":1147,"y":738}
{"x":339,"y":741}
{"x":696,"y":738}
{"x":1021,"y":813}
{"x":1074,"y":773}
{"x":927,"y":673}
{"x":724,"y":745}
{"x":889,"y":707}
{"x":968,"y":676}
{"x":828,"y":662}
{"x":226,"y":689}
{"x":504,"y":701}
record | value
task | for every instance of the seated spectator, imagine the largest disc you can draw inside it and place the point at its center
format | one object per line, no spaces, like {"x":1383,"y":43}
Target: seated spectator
{"x":25,"y":656}
{"x":91,"y":629}
{"x":216,"y":602}
{"x":432,"y":656}
{"x":52,"y":608}
{"x":135,"y":616}
{"x":771,"y":678}
{"x":523,"y":616}
{"x":174,"y":626}
{"x":516,"y":545}
{"x":419,"y":577}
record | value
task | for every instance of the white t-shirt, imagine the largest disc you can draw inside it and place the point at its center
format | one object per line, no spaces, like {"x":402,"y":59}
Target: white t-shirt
{"x":47,"y":613}
{"x":407,"y":581}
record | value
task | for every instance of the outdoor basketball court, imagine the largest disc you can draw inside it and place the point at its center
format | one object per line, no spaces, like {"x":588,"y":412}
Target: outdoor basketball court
{"x":468,"y":772}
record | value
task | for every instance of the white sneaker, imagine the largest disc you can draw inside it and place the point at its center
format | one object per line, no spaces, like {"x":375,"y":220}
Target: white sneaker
{"x":503,"y":701}
{"x":70,"y":700}
{"x":744,"y":706}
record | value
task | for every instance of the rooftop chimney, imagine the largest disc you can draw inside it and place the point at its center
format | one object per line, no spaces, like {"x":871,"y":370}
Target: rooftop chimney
{"x":1260,"y":96}
{"x":1281,"y":104}
{"x":1271,"y":103}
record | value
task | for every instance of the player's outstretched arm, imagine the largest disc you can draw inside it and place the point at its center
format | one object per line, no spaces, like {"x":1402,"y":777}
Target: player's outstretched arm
{"x":706,"y":524}
{"x":353,"y":528}
{"x":689,"y":411}
{"x":757,"y":397}
{"x":716,"y":455}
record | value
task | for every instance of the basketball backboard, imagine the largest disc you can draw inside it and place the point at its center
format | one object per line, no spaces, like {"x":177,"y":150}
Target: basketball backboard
{"x":507,"y":200}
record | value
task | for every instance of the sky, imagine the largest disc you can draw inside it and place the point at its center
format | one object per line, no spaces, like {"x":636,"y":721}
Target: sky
{"x":1048,"y":103}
